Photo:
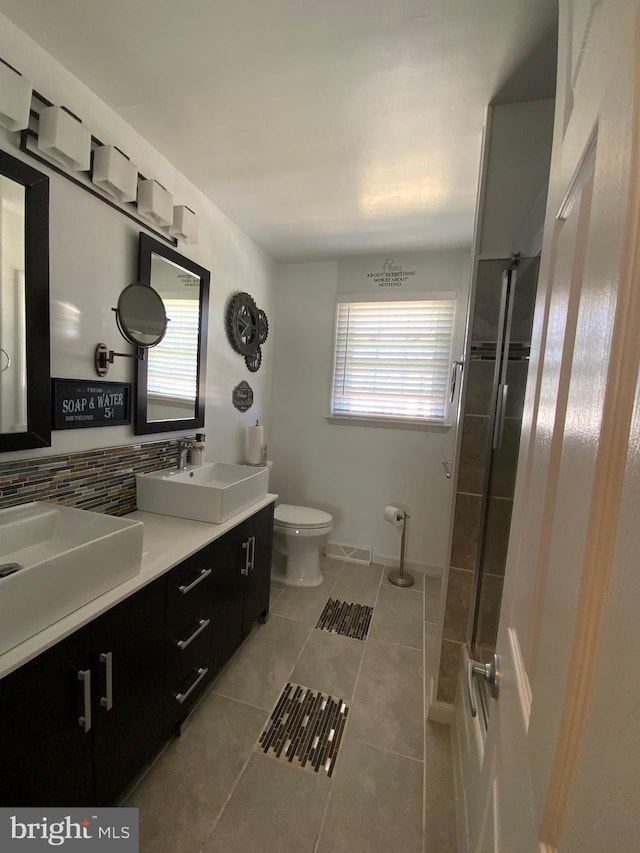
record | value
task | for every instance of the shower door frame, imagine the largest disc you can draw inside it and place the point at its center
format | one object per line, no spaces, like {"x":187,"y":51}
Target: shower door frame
{"x":496,"y":426}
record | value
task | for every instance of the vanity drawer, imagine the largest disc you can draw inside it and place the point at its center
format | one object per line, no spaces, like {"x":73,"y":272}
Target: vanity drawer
{"x":188,"y":649}
{"x":189,"y":674}
{"x":189,"y":591}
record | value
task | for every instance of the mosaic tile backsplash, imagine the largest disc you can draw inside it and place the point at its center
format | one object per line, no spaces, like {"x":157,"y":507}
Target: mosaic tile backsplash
{"x":99,"y":480}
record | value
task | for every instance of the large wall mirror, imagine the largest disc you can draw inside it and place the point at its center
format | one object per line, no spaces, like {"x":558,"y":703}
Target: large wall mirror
{"x":171,"y":379}
{"x":25,"y":387}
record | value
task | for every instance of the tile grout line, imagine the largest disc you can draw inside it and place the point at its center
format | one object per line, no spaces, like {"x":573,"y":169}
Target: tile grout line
{"x":424,"y":719}
{"x":244,"y":766}
{"x":213,"y":692}
{"x":346,"y":730}
{"x":386,"y":749}
{"x":304,"y":646}
{"x":328,"y":800}
{"x":226,"y":802}
{"x":252,"y":752}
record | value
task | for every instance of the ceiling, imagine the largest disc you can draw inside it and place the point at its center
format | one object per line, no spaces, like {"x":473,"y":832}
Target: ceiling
{"x":321,"y":127}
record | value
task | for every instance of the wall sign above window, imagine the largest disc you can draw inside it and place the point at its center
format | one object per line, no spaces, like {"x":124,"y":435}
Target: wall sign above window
{"x":391,"y":273}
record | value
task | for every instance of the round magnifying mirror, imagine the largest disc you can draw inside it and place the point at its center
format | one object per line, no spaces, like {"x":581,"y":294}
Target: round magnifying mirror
{"x":141,"y":316}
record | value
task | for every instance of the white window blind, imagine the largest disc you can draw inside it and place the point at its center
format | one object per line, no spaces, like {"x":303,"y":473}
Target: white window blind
{"x":172,"y":365}
{"x":392,"y":359}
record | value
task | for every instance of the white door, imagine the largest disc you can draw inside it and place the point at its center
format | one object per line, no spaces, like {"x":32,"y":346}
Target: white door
{"x":555,"y":773}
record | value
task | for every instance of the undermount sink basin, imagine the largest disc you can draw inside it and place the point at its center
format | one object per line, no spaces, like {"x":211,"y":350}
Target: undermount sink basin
{"x":212,"y":492}
{"x":55,"y":559}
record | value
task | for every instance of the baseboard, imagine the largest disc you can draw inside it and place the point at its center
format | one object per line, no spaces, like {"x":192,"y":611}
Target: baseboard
{"x":458,"y":793}
{"x":410,"y":565}
{"x":441,"y":712}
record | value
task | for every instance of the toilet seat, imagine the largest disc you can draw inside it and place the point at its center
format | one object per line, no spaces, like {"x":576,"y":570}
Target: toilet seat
{"x":288,"y":516}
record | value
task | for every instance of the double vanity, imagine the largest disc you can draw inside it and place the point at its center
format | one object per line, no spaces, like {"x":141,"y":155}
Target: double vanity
{"x":112,"y":628}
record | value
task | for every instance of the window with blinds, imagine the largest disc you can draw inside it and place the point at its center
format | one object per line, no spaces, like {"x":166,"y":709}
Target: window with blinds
{"x":172,"y":370}
{"x":392,"y":359}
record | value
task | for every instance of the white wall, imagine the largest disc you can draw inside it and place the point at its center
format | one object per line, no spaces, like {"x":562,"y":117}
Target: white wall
{"x":354,"y":471}
{"x":519,"y":157}
{"x":93,"y":255}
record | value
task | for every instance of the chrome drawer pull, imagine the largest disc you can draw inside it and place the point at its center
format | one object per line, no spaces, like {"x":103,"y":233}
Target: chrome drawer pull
{"x":84,"y":675}
{"x":202,"y":624}
{"x":249,"y":548}
{"x":107,"y":701}
{"x":182,"y":697}
{"x":252,"y":558}
{"x":204,"y":573}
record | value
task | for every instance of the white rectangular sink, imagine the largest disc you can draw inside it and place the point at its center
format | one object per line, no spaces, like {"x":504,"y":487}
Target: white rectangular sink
{"x":64,"y":558}
{"x":212,"y":492}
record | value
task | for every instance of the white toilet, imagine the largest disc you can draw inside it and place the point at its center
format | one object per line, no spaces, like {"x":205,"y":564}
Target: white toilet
{"x":298,"y":532}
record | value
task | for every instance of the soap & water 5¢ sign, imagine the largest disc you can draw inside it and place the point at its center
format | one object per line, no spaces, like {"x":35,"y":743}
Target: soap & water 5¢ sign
{"x":78,"y":403}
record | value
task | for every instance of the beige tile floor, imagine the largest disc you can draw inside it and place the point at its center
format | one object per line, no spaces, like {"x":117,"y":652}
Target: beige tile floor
{"x":212,"y":791}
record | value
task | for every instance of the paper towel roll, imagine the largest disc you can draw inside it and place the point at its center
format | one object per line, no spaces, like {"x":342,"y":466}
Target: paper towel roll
{"x":394,"y":516}
{"x":256,"y":443}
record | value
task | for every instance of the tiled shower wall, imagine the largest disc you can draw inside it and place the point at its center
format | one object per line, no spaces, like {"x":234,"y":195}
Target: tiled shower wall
{"x":100,"y":480}
{"x":471,"y":474}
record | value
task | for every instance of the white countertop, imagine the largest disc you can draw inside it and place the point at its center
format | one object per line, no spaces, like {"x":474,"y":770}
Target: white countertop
{"x":167,"y":542}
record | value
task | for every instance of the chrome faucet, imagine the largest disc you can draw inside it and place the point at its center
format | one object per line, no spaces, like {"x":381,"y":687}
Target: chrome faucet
{"x":184,"y":445}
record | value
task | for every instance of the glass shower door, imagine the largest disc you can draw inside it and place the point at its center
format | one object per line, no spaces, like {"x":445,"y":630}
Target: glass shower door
{"x":511,"y":361}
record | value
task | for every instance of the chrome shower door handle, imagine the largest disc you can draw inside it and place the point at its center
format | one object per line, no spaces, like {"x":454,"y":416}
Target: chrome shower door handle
{"x":486,"y":671}
{"x":501,"y":410}
{"x":447,"y":469}
{"x":454,"y":378}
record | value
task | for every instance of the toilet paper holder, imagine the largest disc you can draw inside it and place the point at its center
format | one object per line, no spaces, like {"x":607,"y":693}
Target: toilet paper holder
{"x":399,"y":577}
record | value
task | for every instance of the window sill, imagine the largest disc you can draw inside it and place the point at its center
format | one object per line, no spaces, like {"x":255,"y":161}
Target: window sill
{"x":388,"y":423}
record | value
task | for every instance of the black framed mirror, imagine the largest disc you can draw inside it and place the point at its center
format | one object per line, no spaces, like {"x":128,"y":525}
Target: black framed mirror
{"x":171,"y":378}
{"x":25,"y":386}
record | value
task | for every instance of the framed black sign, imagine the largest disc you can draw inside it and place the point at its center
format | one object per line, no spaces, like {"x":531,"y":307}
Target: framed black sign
{"x":81,"y":403}
{"x":242,"y":396}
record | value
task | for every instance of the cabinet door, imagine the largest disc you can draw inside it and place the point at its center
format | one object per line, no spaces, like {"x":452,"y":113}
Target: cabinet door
{"x":227,"y":596}
{"x":257,"y":531}
{"x":45,"y":749}
{"x":127,"y":645}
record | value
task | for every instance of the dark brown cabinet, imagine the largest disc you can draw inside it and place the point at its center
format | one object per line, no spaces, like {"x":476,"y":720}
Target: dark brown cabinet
{"x":80,"y":721}
{"x":191,"y":631}
{"x":252,"y":542}
{"x":127,"y":645}
{"x":213,"y":600}
{"x":46,"y":757}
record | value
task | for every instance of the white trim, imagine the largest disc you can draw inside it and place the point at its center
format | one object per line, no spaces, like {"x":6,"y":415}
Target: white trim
{"x":398,"y":295}
{"x":411,"y":565}
{"x":379,"y":344}
{"x":370,"y":420}
{"x":442,"y":712}
{"x":522,"y":679}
